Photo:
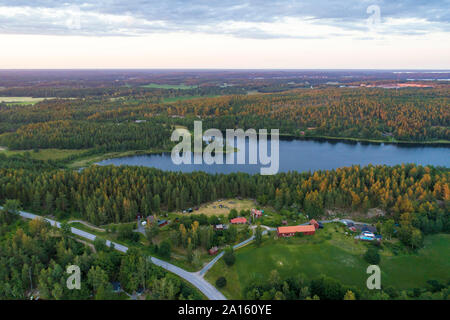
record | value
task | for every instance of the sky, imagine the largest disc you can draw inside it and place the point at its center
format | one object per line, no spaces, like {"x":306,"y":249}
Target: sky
{"x":281,"y":34}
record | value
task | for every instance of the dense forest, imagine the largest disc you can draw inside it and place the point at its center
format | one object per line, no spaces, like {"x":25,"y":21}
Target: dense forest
{"x":34,"y":257}
{"x":83,"y":134}
{"x":364,"y":113}
{"x":417,"y":196}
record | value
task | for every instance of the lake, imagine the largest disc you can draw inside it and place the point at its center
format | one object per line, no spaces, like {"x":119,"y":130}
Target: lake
{"x":309,"y":155}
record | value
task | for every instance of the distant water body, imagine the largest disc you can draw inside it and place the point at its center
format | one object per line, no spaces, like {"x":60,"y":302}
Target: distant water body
{"x":309,"y":155}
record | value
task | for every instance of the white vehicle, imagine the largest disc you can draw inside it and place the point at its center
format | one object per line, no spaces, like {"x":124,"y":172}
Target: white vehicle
{"x":144,"y":223}
{"x":368,"y":234}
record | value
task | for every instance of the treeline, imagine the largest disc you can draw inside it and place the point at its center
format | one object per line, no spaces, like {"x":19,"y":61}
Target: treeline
{"x":137,"y":91}
{"x":104,"y":194}
{"x":407,"y":114}
{"x":363,"y":113}
{"x":66,"y":134}
{"x":325,"y":288}
{"x":34,"y":257}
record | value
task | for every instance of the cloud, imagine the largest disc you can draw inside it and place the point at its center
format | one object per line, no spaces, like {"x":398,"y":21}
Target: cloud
{"x":258,"y":19}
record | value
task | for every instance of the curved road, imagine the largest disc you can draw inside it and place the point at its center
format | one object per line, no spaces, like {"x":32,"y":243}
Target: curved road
{"x":194,"y":278}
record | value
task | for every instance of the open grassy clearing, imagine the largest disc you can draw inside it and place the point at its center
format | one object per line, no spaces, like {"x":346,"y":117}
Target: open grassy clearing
{"x":21,"y":100}
{"x":91,"y":159}
{"x":334,"y":254}
{"x":411,"y":271}
{"x":168,"y":86}
{"x":213,"y":208}
{"x":44,"y":154}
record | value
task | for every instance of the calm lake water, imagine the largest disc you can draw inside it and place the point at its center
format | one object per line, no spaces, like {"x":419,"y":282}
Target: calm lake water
{"x":305,"y":155}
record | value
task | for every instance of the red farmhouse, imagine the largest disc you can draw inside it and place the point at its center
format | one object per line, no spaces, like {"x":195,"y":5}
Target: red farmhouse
{"x":290,"y":231}
{"x":239,"y":220}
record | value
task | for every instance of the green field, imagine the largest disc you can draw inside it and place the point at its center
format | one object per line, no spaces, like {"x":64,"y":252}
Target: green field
{"x":44,"y":154}
{"x":334,"y":254}
{"x":168,"y":86}
{"x":183,"y":98}
{"x":21,"y":100}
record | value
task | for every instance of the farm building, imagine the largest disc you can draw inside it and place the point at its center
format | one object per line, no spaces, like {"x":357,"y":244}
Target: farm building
{"x":219,"y":227}
{"x":239,"y":220}
{"x":257,"y":213}
{"x":314,"y":223}
{"x":213,"y":251}
{"x":162,"y":223}
{"x":290,"y":231}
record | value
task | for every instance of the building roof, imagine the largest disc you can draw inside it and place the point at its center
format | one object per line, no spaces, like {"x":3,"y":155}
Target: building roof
{"x":294,"y":229}
{"x":239,"y":220}
{"x":257,"y":212}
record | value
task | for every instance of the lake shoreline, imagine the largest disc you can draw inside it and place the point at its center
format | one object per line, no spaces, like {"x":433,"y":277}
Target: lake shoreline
{"x":350,"y":140}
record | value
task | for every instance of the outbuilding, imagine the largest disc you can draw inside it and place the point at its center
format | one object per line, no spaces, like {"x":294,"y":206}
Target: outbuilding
{"x":257,"y":213}
{"x":162,"y":223}
{"x":314,"y":223}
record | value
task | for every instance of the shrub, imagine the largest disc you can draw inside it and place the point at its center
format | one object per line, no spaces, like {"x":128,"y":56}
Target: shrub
{"x":165,"y":249}
{"x":372,"y":256}
{"x":229,"y":257}
{"x":221,"y":282}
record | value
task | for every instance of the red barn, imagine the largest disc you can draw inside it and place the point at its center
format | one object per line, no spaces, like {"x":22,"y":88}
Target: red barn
{"x":239,"y":220}
{"x":213,"y":251}
{"x":290,"y":231}
{"x":314,"y":223}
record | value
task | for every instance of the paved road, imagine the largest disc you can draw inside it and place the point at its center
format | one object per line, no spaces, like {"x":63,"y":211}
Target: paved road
{"x":210,"y":264}
{"x":204,"y":286}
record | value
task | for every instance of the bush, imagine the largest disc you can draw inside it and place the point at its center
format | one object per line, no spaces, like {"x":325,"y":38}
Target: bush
{"x":221,"y":282}
{"x":229,"y":257}
{"x":165,"y":249}
{"x":372,"y":256}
